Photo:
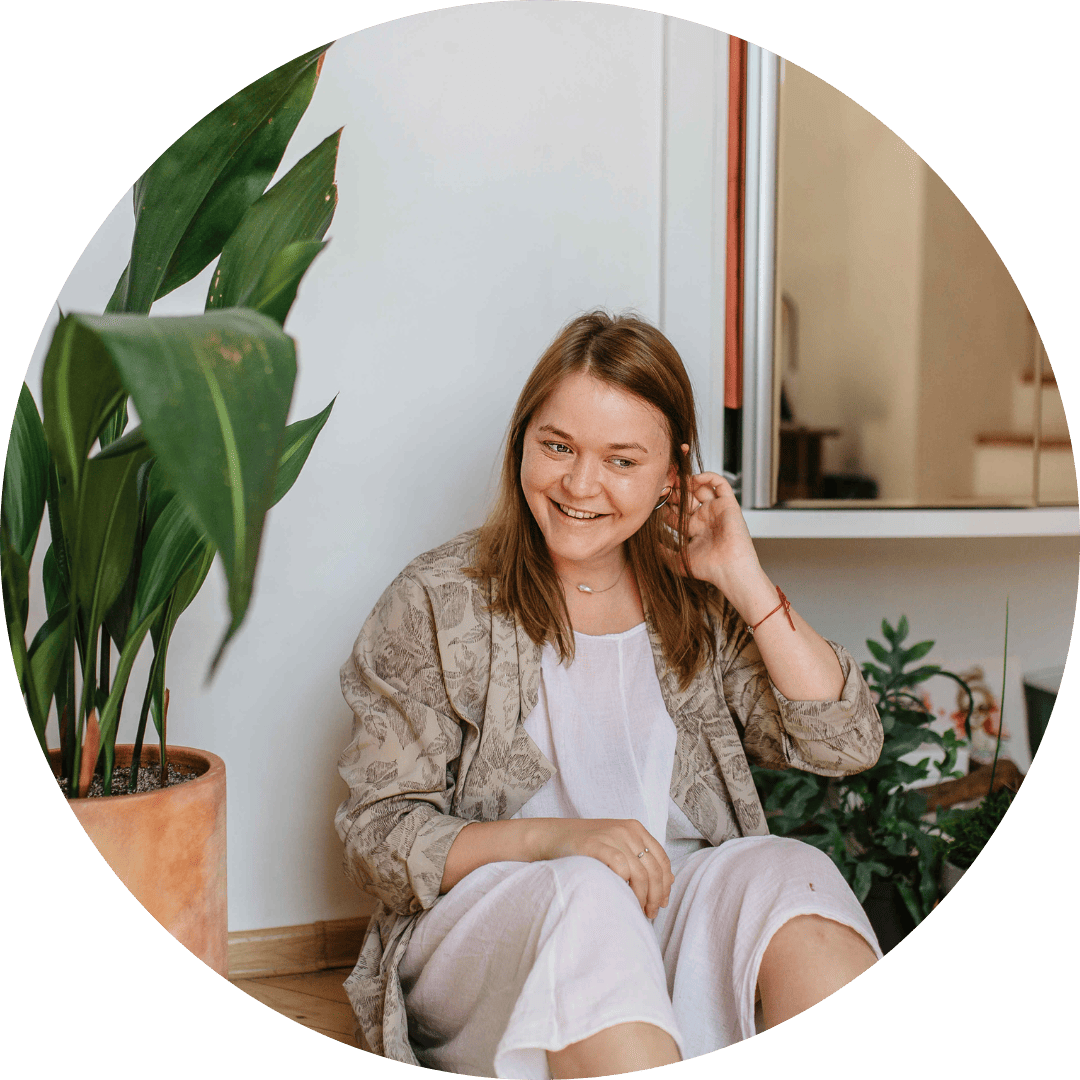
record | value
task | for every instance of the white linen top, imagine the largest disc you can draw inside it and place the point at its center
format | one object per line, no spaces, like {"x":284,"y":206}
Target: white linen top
{"x":601,"y":721}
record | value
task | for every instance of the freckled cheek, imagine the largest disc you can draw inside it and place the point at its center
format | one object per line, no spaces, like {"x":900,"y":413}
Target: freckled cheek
{"x":633,"y":498}
{"x":538,"y":476}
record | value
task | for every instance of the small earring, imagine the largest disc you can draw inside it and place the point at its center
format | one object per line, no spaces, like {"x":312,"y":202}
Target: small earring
{"x":663,"y":500}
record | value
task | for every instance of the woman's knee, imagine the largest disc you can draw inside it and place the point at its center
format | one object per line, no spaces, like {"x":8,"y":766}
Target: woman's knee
{"x":786,"y":857}
{"x":823,"y":944}
{"x":591,"y":884}
{"x":583,"y":871}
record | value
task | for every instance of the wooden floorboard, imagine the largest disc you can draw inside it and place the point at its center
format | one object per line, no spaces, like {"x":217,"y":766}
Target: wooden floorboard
{"x":321,"y":984}
{"x":316,"y":999}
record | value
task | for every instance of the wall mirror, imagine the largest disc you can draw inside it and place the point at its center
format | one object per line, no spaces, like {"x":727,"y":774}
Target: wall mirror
{"x":904,"y":369}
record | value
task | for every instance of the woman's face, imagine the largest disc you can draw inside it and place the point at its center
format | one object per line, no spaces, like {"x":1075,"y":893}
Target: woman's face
{"x":596,"y":461}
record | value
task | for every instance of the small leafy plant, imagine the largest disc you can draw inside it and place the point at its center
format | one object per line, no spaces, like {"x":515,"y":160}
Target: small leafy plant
{"x":137,"y":514}
{"x":872,"y":824}
{"x":969,"y":830}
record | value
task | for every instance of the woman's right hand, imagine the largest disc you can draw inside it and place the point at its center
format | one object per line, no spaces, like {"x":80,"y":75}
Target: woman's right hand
{"x":615,"y":843}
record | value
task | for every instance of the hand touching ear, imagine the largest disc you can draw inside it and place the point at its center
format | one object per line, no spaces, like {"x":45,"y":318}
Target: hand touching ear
{"x":719,"y":547}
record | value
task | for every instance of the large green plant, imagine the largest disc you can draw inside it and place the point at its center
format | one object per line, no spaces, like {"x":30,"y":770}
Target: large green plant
{"x":873,"y":824}
{"x":137,"y":514}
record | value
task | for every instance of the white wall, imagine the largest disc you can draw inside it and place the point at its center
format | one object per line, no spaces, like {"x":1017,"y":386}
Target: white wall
{"x":500,"y":170}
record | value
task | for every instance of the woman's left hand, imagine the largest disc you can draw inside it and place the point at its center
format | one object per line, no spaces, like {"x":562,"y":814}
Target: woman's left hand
{"x":720,"y":549}
{"x":803,"y":666}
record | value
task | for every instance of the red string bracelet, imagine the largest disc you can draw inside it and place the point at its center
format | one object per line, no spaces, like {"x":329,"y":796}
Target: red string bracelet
{"x":785,"y":605}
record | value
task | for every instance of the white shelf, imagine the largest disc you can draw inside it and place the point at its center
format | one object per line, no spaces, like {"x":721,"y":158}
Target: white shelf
{"x":883,"y":522}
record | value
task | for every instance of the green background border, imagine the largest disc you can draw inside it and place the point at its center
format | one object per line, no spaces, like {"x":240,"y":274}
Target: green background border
{"x":984,"y":92}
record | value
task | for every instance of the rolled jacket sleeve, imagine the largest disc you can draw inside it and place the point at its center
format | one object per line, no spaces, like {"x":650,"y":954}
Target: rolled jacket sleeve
{"x":400,"y":765}
{"x":830,"y":738}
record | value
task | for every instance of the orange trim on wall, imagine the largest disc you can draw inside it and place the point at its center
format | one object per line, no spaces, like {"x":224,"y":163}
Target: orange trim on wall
{"x":736,"y":203}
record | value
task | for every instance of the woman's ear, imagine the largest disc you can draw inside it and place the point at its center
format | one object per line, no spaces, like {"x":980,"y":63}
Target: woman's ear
{"x":673,"y":472}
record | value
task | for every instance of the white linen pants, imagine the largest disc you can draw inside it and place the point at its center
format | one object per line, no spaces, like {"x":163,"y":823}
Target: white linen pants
{"x":521,"y":958}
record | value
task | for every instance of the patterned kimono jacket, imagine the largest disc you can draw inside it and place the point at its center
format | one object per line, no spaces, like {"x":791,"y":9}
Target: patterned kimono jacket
{"x":440,"y":688}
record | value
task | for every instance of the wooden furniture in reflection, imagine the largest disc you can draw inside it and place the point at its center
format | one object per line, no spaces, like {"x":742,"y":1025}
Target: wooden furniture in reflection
{"x":799,"y":474}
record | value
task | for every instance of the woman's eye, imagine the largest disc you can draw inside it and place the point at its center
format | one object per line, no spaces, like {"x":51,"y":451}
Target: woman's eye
{"x":559,"y":448}
{"x":622,"y":463}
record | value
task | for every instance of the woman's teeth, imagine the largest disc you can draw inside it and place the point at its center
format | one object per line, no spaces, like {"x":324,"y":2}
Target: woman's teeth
{"x":569,"y":511}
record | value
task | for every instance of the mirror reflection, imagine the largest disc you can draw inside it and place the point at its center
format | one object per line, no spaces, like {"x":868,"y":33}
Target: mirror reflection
{"x":906,"y":360}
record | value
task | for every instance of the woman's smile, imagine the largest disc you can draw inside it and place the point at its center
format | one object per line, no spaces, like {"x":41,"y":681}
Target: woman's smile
{"x":578,"y":515}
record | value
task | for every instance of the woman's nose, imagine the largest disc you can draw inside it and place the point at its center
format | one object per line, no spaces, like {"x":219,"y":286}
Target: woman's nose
{"x":582,"y":478}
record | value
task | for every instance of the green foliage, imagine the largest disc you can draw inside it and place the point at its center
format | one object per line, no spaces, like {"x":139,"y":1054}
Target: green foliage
{"x":965,"y":832}
{"x":137,"y":516}
{"x":872,"y":824}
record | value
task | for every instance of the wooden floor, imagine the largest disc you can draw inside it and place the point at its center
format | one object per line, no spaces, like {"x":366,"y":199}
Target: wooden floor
{"x":316,"y":1000}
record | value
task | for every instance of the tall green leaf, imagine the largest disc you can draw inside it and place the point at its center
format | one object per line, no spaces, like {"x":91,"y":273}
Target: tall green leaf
{"x":274,"y":293}
{"x":127,"y":443}
{"x":26,"y":477}
{"x":234,"y":372}
{"x":105,"y":525}
{"x":184,"y":591}
{"x":173,"y":544}
{"x":191,"y":198}
{"x":16,"y":590}
{"x":55,"y":593}
{"x":80,"y":388}
{"x":118,"y":616}
{"x":299,"y":207}
{"x":47,"y":655}
{"x":158,"y":496}
{"x":56,"y":571}
{"x":299,"y":439}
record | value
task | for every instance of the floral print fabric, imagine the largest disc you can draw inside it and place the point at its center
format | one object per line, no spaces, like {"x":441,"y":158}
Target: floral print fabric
{"x":439,"y":689}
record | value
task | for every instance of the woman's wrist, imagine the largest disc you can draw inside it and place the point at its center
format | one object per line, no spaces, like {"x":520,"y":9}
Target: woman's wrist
{"x":749,"y":590}
{"x":511,"y":840}
{"x":535,"y":839}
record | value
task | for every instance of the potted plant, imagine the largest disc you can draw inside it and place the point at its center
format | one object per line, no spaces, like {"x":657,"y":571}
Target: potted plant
{"x":137,"y":513}
{"x":966,"y":832}
{"x":873,"y":824}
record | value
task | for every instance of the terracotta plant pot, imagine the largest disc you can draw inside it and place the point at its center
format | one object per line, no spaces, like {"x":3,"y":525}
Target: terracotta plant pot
{"x":168,"y":847}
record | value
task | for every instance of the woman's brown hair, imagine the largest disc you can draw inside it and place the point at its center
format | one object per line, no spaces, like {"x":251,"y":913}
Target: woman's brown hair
{"x":628,"y":353}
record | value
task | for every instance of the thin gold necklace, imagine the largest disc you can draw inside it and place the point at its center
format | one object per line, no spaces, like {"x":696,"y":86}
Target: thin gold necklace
{"x":594,"y":592}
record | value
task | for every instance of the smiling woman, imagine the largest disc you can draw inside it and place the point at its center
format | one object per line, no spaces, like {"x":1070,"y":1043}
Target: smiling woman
{"x":562,"y":704}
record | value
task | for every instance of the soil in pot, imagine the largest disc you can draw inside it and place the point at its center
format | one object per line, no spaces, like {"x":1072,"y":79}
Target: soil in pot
{"x":149,"y":780}
{"x":888,"y":914}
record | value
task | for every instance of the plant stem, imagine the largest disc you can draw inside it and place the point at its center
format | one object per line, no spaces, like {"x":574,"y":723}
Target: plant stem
{"x":105,"y":658}
{"x":85,"y":705}
{"x":164,"y":722}
{"x":144,"y":712}
{"x":1001,"y":710}
{"x":67,"y":722}
{"x":970,"y":697}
